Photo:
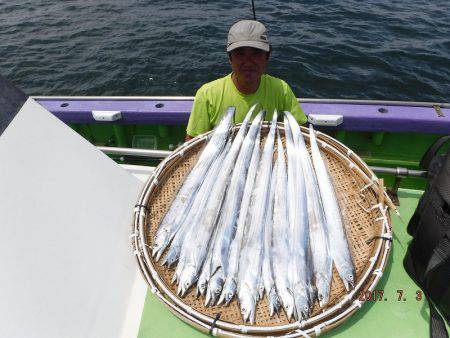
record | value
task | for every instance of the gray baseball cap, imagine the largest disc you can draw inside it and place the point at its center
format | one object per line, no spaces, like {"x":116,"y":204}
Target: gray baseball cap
{"x":248,"y":33}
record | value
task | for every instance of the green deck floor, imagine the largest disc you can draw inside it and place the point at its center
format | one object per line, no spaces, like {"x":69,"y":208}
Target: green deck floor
{"x":391,"y":317}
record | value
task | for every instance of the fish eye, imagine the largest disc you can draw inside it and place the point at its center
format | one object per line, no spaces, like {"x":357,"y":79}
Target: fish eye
{"x":320,"y":297}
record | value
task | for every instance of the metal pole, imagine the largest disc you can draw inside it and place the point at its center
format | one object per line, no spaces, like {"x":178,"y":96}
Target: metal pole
{"x":135,"y":152}
{"x":399,"y":171}
{"x":376,"y":102}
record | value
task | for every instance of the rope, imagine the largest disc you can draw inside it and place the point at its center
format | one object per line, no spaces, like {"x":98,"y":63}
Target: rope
{"x":387,"y":238}
{"x":142,"y":206}
{"x":378,"y":272}
{"x":318,"y":329}
{"x":213,"y":325}
{"x":302,"y":333}
{"x":372,"y":182}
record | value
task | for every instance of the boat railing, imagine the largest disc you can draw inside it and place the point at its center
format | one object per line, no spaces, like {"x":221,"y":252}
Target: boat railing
{"x":301,"y":100}
{"x":149,"y":153}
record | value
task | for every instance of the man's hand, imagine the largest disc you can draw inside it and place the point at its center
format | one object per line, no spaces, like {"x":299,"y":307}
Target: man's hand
{"x":188,"y":137}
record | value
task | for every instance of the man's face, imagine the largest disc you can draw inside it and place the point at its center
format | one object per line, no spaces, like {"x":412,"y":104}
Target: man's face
{"x":249,"y":63}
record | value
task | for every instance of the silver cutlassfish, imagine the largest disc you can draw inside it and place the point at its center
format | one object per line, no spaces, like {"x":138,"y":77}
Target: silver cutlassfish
{"x":197,"y":214}
{"x":267,"y":266}
{"x":183,"y":200}
{"x":298,"y":225}
{"x":322,"y":262}
{"x":194,"y":212}
{"x":339,"y":248}
{"x":199,"y":241}
{"x":281,"y":253}
{"x":252,"y":250}
{"x":226,"y":226}
{"x":230,"y":285}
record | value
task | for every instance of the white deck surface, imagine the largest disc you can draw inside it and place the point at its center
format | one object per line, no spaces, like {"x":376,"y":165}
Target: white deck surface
{"x":142,"y":173}
{"x":65,"y":255}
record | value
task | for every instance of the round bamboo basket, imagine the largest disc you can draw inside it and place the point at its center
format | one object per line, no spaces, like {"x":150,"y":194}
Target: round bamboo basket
{"x":364,"y":206}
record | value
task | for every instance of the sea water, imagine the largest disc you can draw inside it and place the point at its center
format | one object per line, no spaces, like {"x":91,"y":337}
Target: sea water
{"x":392,"y":50}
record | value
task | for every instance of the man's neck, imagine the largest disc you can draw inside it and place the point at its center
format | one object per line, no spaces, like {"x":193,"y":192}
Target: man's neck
{"x":244,"y":87}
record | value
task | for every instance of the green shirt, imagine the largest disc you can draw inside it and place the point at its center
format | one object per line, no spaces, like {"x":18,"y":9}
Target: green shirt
{"x":213,"y":98}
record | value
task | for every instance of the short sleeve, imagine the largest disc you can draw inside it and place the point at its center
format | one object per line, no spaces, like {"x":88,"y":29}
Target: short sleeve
{"x":291,"y":104}
{"x":199,"y":118}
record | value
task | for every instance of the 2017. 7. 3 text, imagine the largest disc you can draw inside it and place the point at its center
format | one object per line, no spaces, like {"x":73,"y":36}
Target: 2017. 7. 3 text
{"x":380,"y":295}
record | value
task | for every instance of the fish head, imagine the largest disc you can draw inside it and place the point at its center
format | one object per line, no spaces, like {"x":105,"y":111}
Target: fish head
{"x":171,"y":258}
{"x":228,"y":292}
{"x":288,"y":303}
{"x":260,"y":291}
{"x":323,"y":291}
{"x":187,"y":279}
{"x":247,"y":304}
{"x":214,"y":290}
{"x":160,"y":243}
{"x":346,"y":271}
{"x":274,"y":302}
{"x":175,"y":278}
{"x":348,"y":284}
{"x":302,"y":305}
{"x":349,"y":279}
{"x":201,"y":286}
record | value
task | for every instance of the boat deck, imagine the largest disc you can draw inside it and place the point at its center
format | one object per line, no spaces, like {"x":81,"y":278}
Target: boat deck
{"x":395,"y":316}
{"x":383,"y":133}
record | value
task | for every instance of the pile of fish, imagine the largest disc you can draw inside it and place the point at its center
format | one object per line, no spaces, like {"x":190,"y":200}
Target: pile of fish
{"x":246,"y":224}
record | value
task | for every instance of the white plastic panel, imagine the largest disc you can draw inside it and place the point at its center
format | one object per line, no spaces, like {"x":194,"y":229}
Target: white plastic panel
{"x":106,"y":115}
{"x":325,"y":120}
{"x":67,"y":268}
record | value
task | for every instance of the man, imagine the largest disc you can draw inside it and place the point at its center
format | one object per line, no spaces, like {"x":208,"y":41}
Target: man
{"x":248,"y":51}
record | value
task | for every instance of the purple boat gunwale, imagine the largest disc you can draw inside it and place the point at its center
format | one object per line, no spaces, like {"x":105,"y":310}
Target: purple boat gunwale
{"x":359,"y":115}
